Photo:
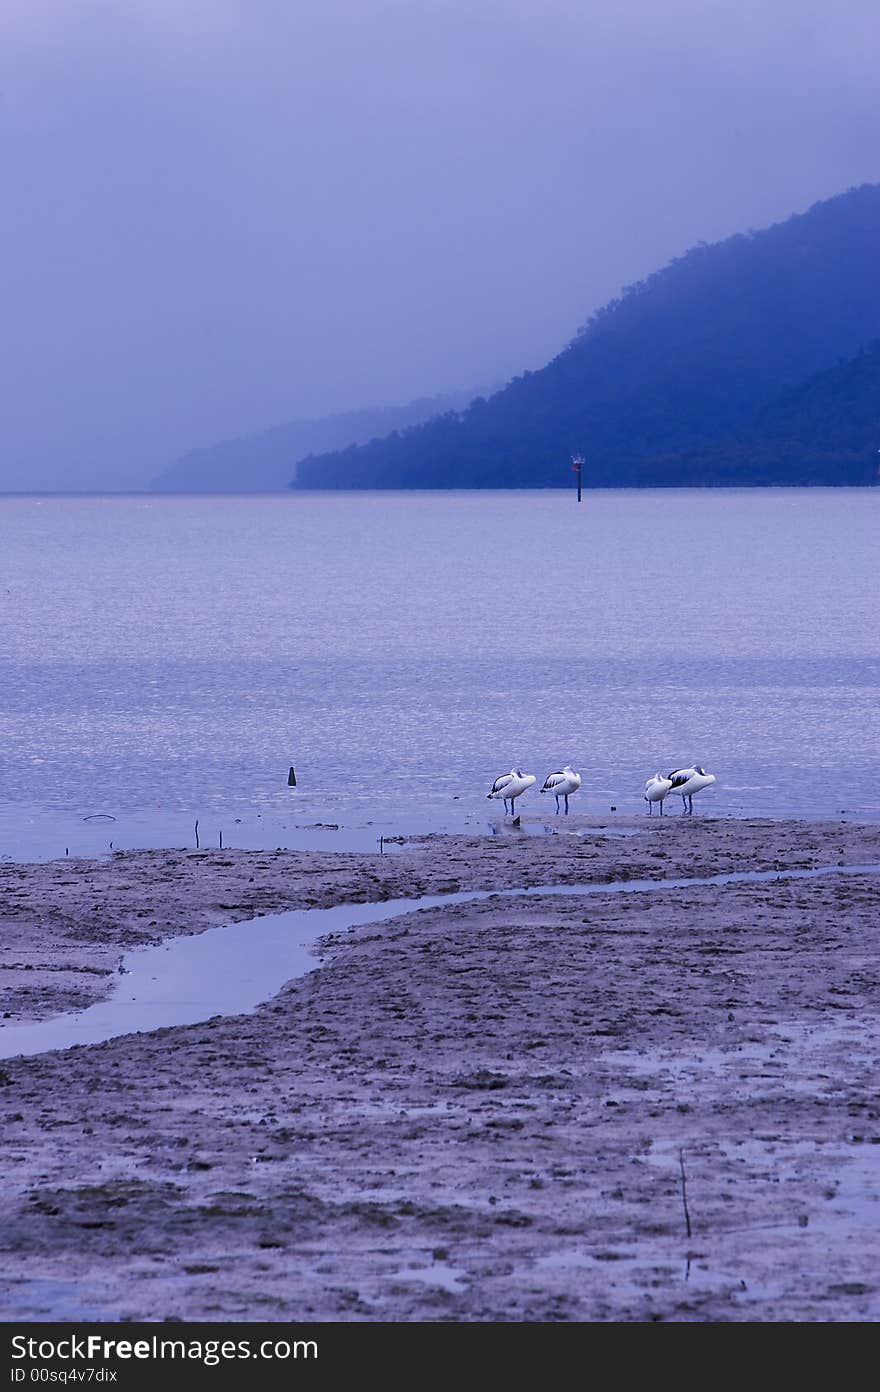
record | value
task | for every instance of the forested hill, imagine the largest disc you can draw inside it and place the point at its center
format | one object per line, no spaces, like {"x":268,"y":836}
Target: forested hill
{"x":683,"y":359}
{"x":825,"y":431}
{"x":266,"y":462}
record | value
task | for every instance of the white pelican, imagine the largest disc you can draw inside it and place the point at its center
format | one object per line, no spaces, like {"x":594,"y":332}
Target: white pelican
{"x":562,"y":785}
{"x":656,"y":789}
{"x":688,"y":781}
{"x":511,"y":786}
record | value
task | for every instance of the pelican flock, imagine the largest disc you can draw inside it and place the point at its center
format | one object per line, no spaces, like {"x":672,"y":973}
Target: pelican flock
{"x":684,"y":782}
{"x":562,"y":785}
{"x":510,"y":786}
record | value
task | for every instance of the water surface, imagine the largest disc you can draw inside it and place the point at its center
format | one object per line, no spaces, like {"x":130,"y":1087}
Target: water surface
{"x":167,"y":659}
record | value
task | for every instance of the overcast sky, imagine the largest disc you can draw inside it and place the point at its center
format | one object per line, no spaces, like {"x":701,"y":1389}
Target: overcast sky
{"x":223,"y":214}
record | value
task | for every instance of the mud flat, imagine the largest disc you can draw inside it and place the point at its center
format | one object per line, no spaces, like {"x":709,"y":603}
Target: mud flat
{"x":474,"y":1112}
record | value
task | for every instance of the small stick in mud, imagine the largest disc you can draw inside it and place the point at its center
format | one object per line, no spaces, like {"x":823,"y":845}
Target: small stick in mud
{"x":684,"y":1198}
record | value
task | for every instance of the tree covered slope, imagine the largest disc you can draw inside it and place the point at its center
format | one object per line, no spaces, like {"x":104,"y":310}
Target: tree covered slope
{"x":671,"y":375}
{"x":825,"y":431}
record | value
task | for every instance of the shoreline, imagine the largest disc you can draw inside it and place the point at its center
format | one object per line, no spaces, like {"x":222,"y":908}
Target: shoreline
{"x":471,"y":1112}
{"x":66,"y":923}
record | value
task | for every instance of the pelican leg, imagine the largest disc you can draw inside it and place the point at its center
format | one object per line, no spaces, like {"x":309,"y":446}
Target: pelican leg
{"x":661,"y":807}
{"x":556,"y":795}
{"x":650,"y":808}
{"x":566,"y":804}
{"x":505,"y":807}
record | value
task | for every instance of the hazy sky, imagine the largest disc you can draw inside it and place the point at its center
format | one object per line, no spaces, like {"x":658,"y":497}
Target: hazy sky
{"x":222,"y":214}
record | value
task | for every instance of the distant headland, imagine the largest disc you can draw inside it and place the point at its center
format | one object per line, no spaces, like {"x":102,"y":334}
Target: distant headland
{"x":753,"y":361}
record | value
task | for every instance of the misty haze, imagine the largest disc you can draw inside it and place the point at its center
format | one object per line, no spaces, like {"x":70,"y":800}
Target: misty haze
{"x":223,"y":217}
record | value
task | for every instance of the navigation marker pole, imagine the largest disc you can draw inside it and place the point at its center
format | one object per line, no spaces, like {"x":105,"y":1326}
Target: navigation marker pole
{"x":577,"y":462}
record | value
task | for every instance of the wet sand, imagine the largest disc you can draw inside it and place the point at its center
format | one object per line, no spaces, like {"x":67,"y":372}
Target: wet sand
{"x":475,"y":1112}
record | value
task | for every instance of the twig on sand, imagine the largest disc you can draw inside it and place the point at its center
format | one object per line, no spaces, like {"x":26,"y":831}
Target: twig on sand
{"x":684,"y":1197}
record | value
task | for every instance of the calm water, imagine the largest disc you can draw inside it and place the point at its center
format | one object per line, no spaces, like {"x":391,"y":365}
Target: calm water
{"x":164,"y":659}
